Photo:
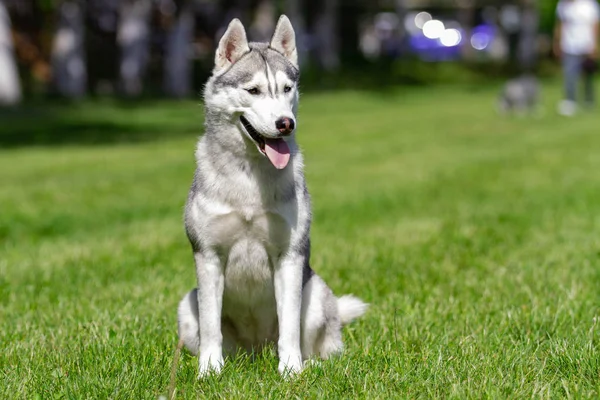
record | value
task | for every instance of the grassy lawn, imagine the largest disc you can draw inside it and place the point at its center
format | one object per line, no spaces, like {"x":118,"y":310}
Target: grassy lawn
{"x":475,"y":238}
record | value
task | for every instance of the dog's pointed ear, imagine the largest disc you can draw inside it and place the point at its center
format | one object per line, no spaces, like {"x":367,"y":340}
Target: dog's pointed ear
{"x":284,"y":40}
{"x":232,"y":46}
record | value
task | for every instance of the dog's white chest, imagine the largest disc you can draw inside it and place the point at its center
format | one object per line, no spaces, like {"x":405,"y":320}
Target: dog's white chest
{"x":266,"y":229}
{"x":250,"y":245}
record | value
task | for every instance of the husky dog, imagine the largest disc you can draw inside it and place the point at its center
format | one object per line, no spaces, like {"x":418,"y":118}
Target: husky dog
{"x":248,"y":217}
{"x":519,"y":95}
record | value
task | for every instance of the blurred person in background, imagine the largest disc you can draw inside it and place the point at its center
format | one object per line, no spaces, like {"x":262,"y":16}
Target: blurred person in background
{"x":576,"y":43}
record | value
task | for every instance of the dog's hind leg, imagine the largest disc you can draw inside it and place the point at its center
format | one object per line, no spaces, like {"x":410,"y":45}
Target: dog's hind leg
{"x":187,"y":322}
{"x":345,"y":309}
{"x":320,"y":324}
{"x":188,"y":329}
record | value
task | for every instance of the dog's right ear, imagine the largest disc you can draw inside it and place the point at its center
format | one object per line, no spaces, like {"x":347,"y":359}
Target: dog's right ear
{"x":232,"y":46}
{"x":284,"y":40}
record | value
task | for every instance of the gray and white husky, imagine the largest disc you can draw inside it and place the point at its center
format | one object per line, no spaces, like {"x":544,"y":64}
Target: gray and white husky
{"x":248,"y":217}
{"x":520,"y":96}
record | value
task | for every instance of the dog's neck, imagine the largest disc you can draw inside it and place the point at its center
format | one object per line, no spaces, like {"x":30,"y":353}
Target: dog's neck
{"x":229,"y":151}
{"x":239,"y":175}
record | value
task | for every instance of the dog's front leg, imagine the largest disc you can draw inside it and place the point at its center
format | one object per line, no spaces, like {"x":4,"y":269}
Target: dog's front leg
{"x":210,"y":300}
{"x":288,"y":295}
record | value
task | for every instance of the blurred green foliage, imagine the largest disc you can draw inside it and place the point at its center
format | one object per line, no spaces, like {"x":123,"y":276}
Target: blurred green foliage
{"x":547,"y":15}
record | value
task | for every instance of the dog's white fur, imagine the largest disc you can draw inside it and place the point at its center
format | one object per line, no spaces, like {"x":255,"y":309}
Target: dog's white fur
{"x":249,"y":223}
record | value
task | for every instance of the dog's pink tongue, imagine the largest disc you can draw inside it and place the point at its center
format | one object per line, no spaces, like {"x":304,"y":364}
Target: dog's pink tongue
{"x":278,"y":152}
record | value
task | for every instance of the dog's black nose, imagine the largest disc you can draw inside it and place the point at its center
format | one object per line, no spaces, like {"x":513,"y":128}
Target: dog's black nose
{"x":285,"y":125}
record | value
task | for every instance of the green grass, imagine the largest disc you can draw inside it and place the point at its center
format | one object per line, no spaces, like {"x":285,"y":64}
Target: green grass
{"x":475,"y":238}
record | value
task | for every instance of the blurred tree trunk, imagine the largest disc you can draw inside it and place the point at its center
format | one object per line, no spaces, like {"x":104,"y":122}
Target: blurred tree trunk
{"x":511,"y":22}
{"x":466,"y":17}
{"x":244,"y":11}
{"x":401,"y":12}
{"x":69,"y":73}
{"x":263,"y":23}
{"x":326,"y":36}
{"x":133,"y":38}
{"x":10,"y":85}
{"x":527,"y":52}
{"x":178,"y":66}
{"x":293,"y":9}
{"x":349,"y":30}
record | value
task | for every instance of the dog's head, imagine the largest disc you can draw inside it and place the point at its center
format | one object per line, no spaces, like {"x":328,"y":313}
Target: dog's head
{"x":254,"y":86}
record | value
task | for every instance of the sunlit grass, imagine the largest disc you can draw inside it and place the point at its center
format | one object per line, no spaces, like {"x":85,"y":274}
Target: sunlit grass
{"x":475,"y":238}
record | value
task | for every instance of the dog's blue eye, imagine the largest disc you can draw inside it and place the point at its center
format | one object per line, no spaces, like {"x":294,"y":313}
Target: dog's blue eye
{"x":253,"y":91}
{"x":287,"y":89}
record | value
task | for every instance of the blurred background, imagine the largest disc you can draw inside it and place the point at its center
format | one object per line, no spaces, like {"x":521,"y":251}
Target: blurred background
{"x":474,"y":235}
{"x":164,"y":48}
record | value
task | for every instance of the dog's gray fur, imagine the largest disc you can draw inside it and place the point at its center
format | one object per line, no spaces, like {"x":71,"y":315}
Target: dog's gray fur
{"x":249,"y":221}
{"x":519,"y":96}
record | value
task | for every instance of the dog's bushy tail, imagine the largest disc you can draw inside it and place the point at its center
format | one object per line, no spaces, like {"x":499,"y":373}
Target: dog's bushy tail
{"x":350,"y":308}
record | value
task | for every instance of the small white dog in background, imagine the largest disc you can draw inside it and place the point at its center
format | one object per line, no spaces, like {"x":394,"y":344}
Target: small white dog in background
{"x":248,"y":217}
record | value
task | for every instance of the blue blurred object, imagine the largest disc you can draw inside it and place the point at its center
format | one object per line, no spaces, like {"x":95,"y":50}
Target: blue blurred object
{"x":440,"y":49}
{"x":482,"y":36}
{"x":448,"y":46}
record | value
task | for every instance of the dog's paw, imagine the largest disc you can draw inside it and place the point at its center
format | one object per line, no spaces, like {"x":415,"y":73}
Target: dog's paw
{"x":290,"y":366}
{"x":210,"y":364}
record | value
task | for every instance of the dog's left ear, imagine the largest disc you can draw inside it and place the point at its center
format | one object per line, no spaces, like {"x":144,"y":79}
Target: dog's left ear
{"x":232,"y":46}
{"x":284,"y":40}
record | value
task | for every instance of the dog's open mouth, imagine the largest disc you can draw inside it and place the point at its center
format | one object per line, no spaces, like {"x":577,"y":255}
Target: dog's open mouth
{"x":276,"y":150}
